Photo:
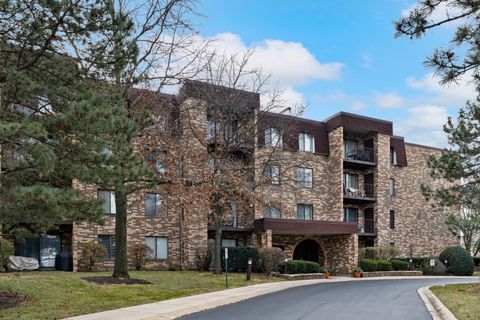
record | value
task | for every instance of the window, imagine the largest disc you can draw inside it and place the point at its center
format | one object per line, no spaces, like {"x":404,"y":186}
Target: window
{"x":108,"y":241}
{"x":272,"y":211}
{"x":350,"y":182}
{"x":230,"y":130}
{"x":158,"y":247}
{"x":392,"y":219}
{"x":306,"y":142}
{"x":108,"y":200}
{"x":393,"y":156}
{"x":350,"y":148}
{"x":229,"y":243}
{"x":212,"y":129}
{"x":272,"y":171}
{"x":350,"y":214}
{"x":159,"y":166}
{"x":153,"y":204}
{"x":273,"y":137}
{"x":304,"y":211}
{"x":305,"y":177}
{"x":392,"y":186}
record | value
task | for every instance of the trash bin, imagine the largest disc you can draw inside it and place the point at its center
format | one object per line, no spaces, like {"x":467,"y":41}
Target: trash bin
{"x":64,"y":261}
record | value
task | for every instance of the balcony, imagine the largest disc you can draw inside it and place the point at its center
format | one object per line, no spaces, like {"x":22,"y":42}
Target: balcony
{"x":368,"y":228}
{"x":359,"y":158}
{"x":354,"y":195}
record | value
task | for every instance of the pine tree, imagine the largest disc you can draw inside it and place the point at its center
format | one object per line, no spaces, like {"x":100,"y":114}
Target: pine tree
{"x":52,"y":118}
{"x":460,"y":163}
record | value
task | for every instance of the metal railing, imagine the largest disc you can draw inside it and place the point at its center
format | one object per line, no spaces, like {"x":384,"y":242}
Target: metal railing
{"x":361,"y":154}
{"x":368,"y":226}
{"x":367,"y":192}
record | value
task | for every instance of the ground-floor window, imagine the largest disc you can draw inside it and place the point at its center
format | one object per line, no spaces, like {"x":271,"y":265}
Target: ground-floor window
{"x":229,"y":243}
{"x":158,"y":247}
{"x":108,"y":241}
{"x":350,"y":214}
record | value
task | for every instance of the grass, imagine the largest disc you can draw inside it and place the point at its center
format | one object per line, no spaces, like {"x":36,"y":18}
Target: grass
{"x":54,"y":295}
{"x":463,"y":300}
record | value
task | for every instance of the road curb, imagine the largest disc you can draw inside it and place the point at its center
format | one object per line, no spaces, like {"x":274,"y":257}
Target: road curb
{"x":435,"y":307}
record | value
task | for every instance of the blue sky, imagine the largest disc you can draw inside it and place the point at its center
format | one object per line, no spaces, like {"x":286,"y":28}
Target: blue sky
{"x":342,"y":56}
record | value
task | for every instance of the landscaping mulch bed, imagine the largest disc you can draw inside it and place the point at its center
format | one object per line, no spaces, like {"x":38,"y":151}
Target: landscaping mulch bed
{"x":111,"y":280}
{"x":9,"y":299}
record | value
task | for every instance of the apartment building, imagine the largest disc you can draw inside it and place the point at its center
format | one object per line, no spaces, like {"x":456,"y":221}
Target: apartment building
{"x":322,"y":189}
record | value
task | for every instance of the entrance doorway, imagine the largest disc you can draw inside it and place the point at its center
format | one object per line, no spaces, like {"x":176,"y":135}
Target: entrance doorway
{"x":306,"y":250}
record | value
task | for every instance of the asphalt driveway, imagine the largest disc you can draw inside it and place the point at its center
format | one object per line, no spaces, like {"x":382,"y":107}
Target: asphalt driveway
{"x":369,"y":300}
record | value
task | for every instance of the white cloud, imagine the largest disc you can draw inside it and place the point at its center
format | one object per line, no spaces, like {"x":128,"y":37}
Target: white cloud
{"x":357,"y":106}
{"x":290,"y":64}
{"x":387,"y":100}
{"x":424,"y":125}
{"x":455,"y":94}
{"x":340,"y":99}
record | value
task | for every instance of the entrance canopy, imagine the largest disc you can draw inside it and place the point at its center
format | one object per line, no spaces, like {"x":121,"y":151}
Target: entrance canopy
{"x":305,"y":227}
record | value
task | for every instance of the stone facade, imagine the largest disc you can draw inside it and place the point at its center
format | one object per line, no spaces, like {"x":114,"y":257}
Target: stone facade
{"x":184,"y":219}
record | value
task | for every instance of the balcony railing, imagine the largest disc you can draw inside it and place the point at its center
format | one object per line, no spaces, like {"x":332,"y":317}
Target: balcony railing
{"x":368,"y":226}
{"x":360,"y":154}
{"x":354,"y":193}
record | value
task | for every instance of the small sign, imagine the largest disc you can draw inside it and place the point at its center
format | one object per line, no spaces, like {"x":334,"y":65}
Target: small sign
{"x":432,"y":262}
{"x":226,"y":253}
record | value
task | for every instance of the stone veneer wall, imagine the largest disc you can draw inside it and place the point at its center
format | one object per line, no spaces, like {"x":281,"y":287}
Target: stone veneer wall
{"x":418,"y":226}
{"x":342,"y":250}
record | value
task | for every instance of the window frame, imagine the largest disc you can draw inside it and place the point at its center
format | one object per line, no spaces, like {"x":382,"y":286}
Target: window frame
{"x":303,"y":206}
{"x":392,"y":219}
{"x":345,"y":143}
{"x":156,"y":247}
{"x":304,"y":183}
{"x":158,"y":209}
{"x":235,"y":240}
{"x":111,"y":201}
{"x":272,"y":207}
{"x":346,"y":214}
{"x":302,"y":138}
{"x":268,"y":135}
{"x":269,"y":172}
{"x":110,"y":248}
{"x":392,"y":187}
{"x":393,"y":157}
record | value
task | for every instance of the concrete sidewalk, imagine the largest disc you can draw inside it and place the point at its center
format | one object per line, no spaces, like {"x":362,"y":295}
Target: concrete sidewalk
{"x":174,"y":308}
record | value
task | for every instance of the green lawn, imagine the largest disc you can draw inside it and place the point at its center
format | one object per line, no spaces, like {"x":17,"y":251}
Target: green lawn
{"x":54,"y":295}
{"x":463,"y":300}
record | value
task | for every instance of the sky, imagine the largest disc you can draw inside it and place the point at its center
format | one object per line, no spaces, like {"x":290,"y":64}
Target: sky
{"x":342,"y":56}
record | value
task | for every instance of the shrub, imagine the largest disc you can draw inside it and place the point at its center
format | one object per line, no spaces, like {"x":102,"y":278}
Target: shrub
{"x":384,"y":265}
{"x":238,"y":259}
{"x":203,"y":258}
{"x":139,"y":254}
{"x":417,"y":262}
{"x":6,"y":250}
{"x":438,"y":270}
{"x":459,"y":261}
{"x":301,"y":266}
{"x":399,"y":264}
{"x":379,"y":253}
{"x":368,"y":265}
{"x":270,"y":259}
{"x":92,"y":253}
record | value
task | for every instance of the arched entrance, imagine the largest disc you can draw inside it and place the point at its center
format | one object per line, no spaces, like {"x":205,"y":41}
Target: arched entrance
{"x":306,"y":250}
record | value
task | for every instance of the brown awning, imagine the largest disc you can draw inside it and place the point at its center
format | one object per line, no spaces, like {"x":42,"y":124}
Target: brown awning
{"x":304,"y":227}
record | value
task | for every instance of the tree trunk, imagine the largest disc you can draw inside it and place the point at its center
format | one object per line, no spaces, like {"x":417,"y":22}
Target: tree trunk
{"x":218,"y":249}
{"x":120,"y":269}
